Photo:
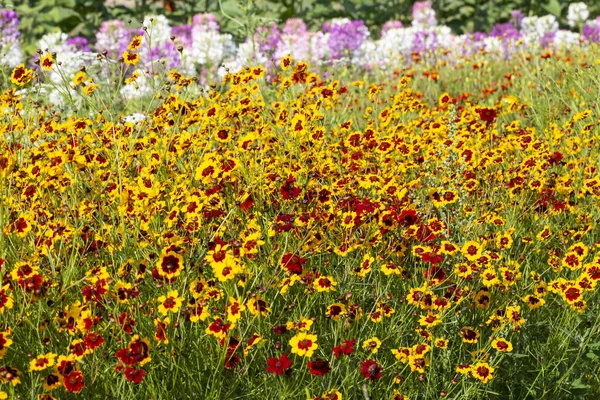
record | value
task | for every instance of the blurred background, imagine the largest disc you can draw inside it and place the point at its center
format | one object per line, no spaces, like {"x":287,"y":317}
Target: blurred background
{"x":83,"y":17}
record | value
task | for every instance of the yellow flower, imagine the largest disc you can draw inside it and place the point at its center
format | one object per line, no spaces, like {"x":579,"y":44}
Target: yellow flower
{"x":133,"y":77}
{"x":6,"y":300}
{"x":257,"y":306}
{"x":21,"y":76}
{"x":234,"y":310}
{"x":304,"y":344}
{"x":79,"y":78}
{"x":472,"y":250}
{"x":502,"y":345}
{"x":373,"y":344}
{"x":130,"y":58}
{"x":46,"y":61}
{"x":324,"y":284}
{"x":482,"y":371}
{"x":303,"y":325}
{"x":170,"y":303}
{"x":286,"y":62}
{"x":90,"y":88}
{"x":135,"y":43}
{"x":42,"y":362}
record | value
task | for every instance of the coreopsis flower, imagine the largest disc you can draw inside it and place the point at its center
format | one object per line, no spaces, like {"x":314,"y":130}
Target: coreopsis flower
{"x":472,"y":250}
{"x":47,"y":61}
{"x":304,"y":344}
{"x":335,"y":311}
{"x":52,"y":381}
{"x":373,"y":344}
{"x":370,"y":369}
{"x":318,"y":367}
{"x":397,"y":395}
{"x":513,"y":316}
{"x":93,"y":341}
{"x":130,"y":58}
{"x":278,"y":366}
{"x":251,"y":342}
{"x":463,"y":369}
{"x":417,"y":363}
{"x":42,"y":362}
{"x":430,"y":320}
{"x":402,"y":354}
{"x":134,"y":375}
{"x":79,"y":78}
{"x":9,"y":375}
{"x":286,"y":62}
{"x":304,"y":324}
{"x":5,"y":342}
{"x":21,"y":76}
{"x":160,"y":335}
{"x":170,"y":303}
{"x":331,"y":394}
{"x":469,"y":334}
{"x":293,"y":263}
{"x":136,"y":43}
{"x":219,"y":329}
{"x":169,"y":265}
{"x":90,"y":88}
{"x":73,"y":382}
{"x":6,"y":299}
{"x":137,"y":352}
{"x":502,"y":345}
{"x":324,"y":284}
{"x":441,"y":343}
{"x":258,"y":306}
{"x":482,"y":371}
{"x":234,"y":310}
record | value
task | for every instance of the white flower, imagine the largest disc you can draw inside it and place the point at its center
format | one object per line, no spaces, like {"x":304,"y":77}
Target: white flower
{"x":158,"y":29}
{"x":538,"y":26}
{"x":135,"y":118}
{"x":10,"y":54}
{"x":577,"y":15}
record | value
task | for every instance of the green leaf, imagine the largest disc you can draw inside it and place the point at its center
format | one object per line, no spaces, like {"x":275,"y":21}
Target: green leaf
{"x":579,"y":384}
{"x":553,"y":7}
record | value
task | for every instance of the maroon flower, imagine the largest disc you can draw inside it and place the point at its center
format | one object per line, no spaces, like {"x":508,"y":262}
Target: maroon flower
{"x":371,"y":370}
{"x":134,"y":375}
{"x":319,"y":367}
{"x":293,"y":263}
{"x":74,"y":382}
{"x":487,"y":115}
{"x":346,"y":348}
{"x":288,"y":190}
{"x":279,"y":329}
{"x":278,"y":365}
{"x":408,"y":218}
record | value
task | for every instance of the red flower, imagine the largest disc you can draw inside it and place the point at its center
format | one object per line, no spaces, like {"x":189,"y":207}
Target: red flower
{"x":293,"y":263}
{"x":93,"y":341}
{"x":319,"y":367}
{"x":346,"y":348}
{"x":371,"y":370}
{"x":74,"y":382}
{"x":134,"y":375}
{"x":487,"y":115}
{"x":288,"y":190}
{"x":279,"y":329}
{"x":127,"y":323}
{"x":278,"y":365}
{"x":408,"y":218}
{"x":232,"y":360}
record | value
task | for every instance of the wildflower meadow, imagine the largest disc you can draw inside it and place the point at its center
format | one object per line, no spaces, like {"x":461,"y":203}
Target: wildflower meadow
{"x":336,"y":213}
